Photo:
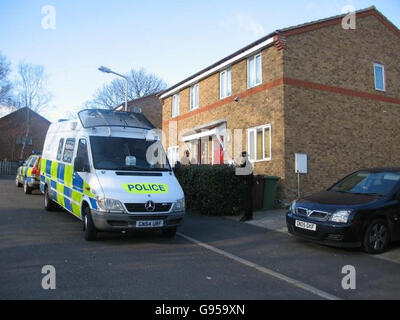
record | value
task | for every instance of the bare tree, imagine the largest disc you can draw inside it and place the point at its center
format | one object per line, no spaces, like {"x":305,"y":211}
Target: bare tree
{"x":141,"y":84}
{"x":5,"y":84}
{"x":30,"y":92}
{"x":30,"y":88}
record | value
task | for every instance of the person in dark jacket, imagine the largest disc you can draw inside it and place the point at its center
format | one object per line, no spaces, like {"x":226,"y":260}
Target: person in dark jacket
{"x":248,"y":180}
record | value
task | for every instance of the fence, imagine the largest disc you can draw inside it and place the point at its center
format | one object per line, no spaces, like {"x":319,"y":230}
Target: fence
{"x":8,"y":168}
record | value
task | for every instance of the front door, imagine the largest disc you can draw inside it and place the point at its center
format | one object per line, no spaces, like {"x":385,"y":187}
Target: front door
{"x":218,"y":151}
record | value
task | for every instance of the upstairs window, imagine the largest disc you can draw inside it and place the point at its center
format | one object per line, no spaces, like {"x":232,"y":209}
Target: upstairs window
{"x":379,"y":75}
{"x":194,"y":96}
{"x":225,"y":84}
{"x":175,"y":105}
{"x":254,"y":72}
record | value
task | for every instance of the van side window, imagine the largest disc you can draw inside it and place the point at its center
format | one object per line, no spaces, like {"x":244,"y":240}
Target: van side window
{"x":83,"y":153}
{"x":60,"y":147}
{"x":69,"y":150}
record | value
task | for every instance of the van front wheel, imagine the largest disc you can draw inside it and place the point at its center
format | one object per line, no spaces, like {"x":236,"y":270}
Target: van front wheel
{"x":88,"y":225}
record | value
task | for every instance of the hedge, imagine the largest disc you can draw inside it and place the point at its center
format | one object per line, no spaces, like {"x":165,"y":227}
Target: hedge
{"x":212,"y":190}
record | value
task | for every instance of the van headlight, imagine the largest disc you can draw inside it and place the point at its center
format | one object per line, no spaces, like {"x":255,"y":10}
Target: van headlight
{"x":179,"y":205}
{"x":341,"y":216}
{"x":110,"y":205}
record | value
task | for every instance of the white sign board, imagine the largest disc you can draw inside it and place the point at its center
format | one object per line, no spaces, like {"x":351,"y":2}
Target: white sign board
{"x":300,"y":162}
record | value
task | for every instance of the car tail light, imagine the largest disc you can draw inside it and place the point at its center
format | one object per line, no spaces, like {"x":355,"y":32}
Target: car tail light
{"x":36,"y":171}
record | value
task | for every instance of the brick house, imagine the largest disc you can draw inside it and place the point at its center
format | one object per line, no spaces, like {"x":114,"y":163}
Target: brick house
{"x":13,"y":134}
{"x":318,"y":89}
{"x":151,"y":108}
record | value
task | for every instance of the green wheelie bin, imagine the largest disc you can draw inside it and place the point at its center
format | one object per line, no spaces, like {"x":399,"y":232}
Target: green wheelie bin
{"x":270,"y":185}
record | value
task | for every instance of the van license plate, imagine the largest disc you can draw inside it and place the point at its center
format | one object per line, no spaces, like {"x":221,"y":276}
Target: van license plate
{"x":306,"y":225}
{"x":150,"y":224}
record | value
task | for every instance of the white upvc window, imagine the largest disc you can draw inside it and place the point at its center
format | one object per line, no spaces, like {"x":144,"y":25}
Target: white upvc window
{"x":254,"y":71}
{"x":175,"y":105}
{"x":173,"y":155}
{"x":194,"y":96}
{"x":225,"y":83}
{"x":379,"y":77}
{"x":259,"y":143}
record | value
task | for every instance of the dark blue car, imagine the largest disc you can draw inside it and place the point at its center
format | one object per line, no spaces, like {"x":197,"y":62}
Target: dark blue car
{"x":361,"y":210}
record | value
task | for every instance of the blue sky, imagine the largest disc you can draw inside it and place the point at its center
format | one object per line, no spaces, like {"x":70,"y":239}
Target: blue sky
{"x":172,"y":39}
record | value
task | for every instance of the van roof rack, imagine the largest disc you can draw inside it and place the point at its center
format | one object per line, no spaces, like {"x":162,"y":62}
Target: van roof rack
{"x":91,"y":118}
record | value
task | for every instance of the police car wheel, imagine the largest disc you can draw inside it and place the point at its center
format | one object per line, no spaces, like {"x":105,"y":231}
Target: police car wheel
{"x":27,"y":190}
{"x":17,"y":183}
{"x":169,"y":233}
{"x":88,"y":225}
{"x":49,"y":204}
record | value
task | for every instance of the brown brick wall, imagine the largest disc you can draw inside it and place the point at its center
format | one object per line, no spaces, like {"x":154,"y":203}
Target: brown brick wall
{"x":319,"y":96}
{"x":344,"y":58}
{"x":151,"y":108}
{"x":341,"y":133}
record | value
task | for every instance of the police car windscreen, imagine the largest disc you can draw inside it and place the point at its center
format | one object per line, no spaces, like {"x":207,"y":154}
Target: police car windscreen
{"x":100,"y":118}
{"x":118,"y":153}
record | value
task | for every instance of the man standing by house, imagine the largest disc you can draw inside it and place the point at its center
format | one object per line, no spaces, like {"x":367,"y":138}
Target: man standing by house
{"x":186,"y":158}
{"x":246,"y":170}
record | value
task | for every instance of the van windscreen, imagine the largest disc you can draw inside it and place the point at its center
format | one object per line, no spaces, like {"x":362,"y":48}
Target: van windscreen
{"x":117,"y":153}
{"x":109,"y":118}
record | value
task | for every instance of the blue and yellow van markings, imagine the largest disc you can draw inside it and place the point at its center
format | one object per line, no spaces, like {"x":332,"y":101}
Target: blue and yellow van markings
{"x":67,"y":187}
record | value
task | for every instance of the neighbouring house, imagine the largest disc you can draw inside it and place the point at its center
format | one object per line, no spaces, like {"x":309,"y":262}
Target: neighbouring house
{"x":151,"y":107}
{"x":317,"y":89}
{"x":13,"y":134}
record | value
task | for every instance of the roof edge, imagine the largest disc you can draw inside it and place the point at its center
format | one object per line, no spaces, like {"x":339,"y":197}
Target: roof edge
{"x":30,"y":110}
{"x":236,"y":53}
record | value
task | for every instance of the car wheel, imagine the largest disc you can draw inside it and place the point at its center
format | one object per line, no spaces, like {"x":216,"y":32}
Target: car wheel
{"x":88,"y":225}
{"x":169,"y":233}
{"x":27,"y":189}
{"x":17,"y":183}
{"x":376,"y":237}
{"x":49,"y":204}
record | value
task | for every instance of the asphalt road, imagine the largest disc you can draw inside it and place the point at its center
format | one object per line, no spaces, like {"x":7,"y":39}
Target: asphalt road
{"x":210,"y":258}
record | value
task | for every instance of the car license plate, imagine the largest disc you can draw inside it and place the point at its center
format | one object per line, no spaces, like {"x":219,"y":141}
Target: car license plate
{"x":306,"y":225}
{"x":149,"y":224}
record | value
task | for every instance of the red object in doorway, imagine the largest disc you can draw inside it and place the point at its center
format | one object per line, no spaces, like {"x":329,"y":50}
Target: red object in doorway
{"x":218,"y":152}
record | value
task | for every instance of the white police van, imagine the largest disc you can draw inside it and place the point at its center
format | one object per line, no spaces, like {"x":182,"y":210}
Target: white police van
{"x":109,"y":169}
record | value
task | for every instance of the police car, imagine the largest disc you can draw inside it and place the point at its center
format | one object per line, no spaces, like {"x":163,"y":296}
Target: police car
{"x":109,"y":169}
{"x":28,"y":175}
